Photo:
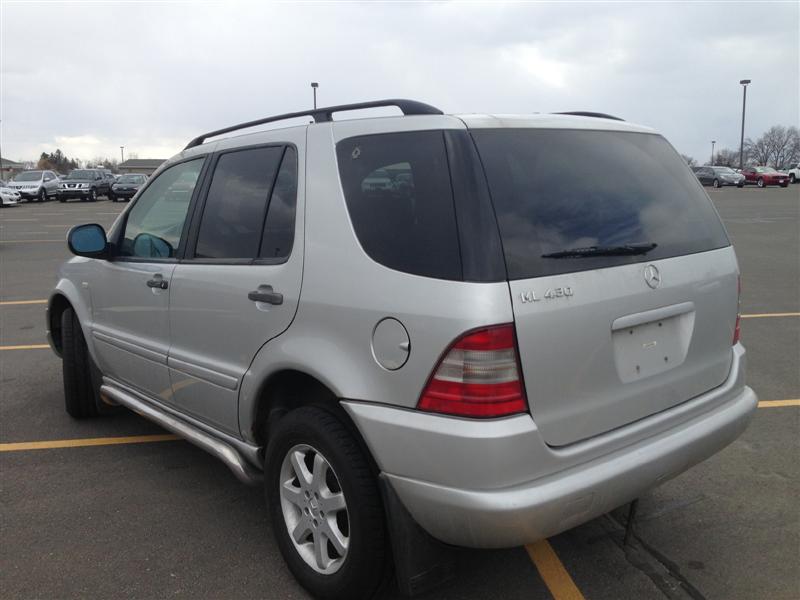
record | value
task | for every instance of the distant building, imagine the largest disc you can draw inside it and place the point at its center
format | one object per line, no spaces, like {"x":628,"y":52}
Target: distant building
{"x":9,"y":168}
{"x":145,"y":166}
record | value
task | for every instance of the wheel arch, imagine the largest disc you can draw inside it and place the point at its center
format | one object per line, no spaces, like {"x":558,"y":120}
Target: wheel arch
{"x":63,"y":297}
{"x":288,"y":389}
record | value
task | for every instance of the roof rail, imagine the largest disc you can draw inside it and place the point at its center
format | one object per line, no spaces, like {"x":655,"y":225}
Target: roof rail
{"x":583,"y":113}
{"x":322,"y":115}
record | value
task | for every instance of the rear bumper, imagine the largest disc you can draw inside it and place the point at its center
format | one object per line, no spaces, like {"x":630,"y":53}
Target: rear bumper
{"x":497,"y":484}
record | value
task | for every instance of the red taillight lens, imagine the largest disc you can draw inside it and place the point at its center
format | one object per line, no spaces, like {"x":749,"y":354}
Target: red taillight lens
{"x":478,"y":376}
{"x":737,"y":331}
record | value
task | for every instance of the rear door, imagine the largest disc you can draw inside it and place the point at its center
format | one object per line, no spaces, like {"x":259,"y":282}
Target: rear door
{"x":240,"y":283}
{"x":624,"y":286}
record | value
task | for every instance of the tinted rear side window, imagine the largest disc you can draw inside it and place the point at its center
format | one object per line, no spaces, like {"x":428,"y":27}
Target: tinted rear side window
{"x":398,"y":193}
{"x":557,"y":190}
{"x":236,"y":203}
{"x":278,"y":236}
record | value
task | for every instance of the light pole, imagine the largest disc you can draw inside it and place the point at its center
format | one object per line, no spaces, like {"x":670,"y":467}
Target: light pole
{"x":743,"y":83}
{"x":314,"y":86}
{"x":122,"y":154}
{"x":712,"y":151}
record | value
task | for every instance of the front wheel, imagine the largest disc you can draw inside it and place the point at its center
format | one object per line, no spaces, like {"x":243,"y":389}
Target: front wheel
{"x":79,"y":393}
{"x":792,"y":178}
{"x":716,"y":183}
{"x":42,"y":195}
{"x":93,"y":195}
{"x":761,"y":183}
{"x":785,"y":184}
{"x":325,"y":505}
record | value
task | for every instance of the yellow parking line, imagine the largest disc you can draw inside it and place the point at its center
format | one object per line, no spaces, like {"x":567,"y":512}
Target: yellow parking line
{"x":79,"y":443}
{"x":552,"y":570}
{"x":763,"y":315}
{"x":15,"y":302}
{"x":27,"y":347}
{"x":778,"y":403}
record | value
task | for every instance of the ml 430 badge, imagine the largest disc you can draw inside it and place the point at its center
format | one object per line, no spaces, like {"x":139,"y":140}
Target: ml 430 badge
{"x":550,"y":294}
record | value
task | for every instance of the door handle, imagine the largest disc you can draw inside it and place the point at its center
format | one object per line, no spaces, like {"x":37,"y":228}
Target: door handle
{"x":264,"y":293}
{"x":157,"y":282}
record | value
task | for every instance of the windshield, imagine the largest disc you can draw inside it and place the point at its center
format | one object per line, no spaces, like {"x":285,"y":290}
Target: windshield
{"x":725,"y":170}
{"x":631,"y":192}
{"x":130,"y":179}
{"x":765,"y":170}
{"x":81,"y":174}
{"x":29,"y":176}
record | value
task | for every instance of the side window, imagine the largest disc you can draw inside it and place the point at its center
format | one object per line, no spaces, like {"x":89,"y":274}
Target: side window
{"x":155,"y":223}
{"x":237,"y":199}
{"x":397,"y":188}
{"x":278,"y":237}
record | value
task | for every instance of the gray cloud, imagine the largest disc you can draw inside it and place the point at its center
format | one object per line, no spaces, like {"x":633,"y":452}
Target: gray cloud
{"x":90,"y":77}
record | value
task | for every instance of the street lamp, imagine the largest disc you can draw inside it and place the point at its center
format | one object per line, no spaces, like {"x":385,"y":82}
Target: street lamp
{"x":743,"y":83}
{"x":314,"y":86}
{"x":122,"y":154}
{"x":712,"y":151}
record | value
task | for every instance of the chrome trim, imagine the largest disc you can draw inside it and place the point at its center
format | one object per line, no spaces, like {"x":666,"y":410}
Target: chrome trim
{"x":226,"y":452}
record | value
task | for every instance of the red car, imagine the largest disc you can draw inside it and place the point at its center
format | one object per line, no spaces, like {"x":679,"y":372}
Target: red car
{"x":764,"y":176}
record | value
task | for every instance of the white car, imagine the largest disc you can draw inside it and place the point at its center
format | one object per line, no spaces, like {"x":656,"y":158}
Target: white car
{"x":8,"y":197}
{"x":794,"y":172}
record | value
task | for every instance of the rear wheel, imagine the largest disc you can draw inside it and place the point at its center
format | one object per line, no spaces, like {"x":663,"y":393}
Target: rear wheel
{"x":761,"y":183}
{"x":326,"y":509}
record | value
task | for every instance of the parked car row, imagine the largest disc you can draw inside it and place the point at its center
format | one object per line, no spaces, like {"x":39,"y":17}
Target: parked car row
{"x":760,"y":176}
{"x":83,"y":184}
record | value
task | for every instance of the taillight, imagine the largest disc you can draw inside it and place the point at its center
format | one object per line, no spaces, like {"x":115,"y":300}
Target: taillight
{"x":479,"y":376}
{"x":738,"y":330}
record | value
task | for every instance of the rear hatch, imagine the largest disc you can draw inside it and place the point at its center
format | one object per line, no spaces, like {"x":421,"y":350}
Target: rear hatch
{"x":622,"y":278}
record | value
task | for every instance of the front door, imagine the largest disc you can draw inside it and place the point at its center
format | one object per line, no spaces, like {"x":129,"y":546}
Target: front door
{"x":239,"y":285}
{"x":131,"y":292}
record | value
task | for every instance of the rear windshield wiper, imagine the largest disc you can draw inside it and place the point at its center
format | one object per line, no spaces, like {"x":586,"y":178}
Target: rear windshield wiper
{"x":625,"y":250}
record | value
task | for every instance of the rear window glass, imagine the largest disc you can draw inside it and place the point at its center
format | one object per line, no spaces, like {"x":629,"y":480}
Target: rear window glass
{"x":561,"y":190}
{"x":236,"y":203}
{"x":397,"y":188}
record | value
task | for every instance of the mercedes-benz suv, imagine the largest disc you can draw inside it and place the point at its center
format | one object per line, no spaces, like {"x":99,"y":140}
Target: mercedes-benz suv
{"x":416,"y":329}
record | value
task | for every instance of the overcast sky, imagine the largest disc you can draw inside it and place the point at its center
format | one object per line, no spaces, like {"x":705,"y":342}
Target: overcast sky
{"x":89,"y":77}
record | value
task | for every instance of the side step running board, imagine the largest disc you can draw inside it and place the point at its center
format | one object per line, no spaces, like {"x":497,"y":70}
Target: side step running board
{"x":243,"y":470}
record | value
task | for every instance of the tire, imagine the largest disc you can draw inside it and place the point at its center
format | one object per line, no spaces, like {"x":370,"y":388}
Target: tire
{"x":358,"y":572}
{"x":740,"y":185}
{"x":761,"y":183}
{"x":716,"y":183}
{"x":60,"y":199}
{"x":42,"y":197}
{"x":783,"y":185}
{"x":79,"y":392}
{"x":111,"y":197}
{"x":792,"y":178}
{"x":93,"y":195}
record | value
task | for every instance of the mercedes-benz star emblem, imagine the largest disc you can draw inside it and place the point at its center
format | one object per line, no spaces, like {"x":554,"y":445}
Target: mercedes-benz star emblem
{"x":652,"y":276}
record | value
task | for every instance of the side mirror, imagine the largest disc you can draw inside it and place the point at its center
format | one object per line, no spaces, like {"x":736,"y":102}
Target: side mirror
{"x":87,"y":240}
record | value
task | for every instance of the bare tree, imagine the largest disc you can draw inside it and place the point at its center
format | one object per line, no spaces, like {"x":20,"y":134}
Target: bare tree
{"x":725,"y":157}
{"x":689,"y":160}
{"x":777,"y":147}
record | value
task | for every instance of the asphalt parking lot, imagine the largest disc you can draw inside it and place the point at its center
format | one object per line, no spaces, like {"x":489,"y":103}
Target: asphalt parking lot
{"x":137,"y":516}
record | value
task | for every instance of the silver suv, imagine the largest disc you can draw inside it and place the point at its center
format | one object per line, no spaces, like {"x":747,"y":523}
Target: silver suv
{"x":416,"y":329}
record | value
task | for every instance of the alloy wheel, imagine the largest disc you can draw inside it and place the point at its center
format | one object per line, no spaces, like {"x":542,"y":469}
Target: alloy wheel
{"x":314,"y":509}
